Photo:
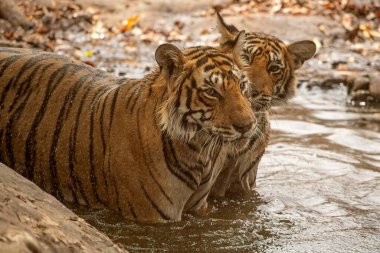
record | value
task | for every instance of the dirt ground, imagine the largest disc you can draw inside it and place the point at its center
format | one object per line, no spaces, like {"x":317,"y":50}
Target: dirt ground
{"x":111,"y":34}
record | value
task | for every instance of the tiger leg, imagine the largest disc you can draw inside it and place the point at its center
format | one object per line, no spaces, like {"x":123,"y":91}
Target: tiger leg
{"x":201,"y":208}
{"x":225,"y":178}
{"x":238,"y":175}
{"x":247,"y":176}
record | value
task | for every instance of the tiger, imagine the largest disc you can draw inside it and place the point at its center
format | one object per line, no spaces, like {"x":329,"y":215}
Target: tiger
{"x":147,"y":148}
{"x":269,"y":65}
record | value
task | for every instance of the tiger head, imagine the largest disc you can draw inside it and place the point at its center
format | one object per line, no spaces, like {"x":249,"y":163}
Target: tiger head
{"x":268,"y":63}
{"x":206,"y":93}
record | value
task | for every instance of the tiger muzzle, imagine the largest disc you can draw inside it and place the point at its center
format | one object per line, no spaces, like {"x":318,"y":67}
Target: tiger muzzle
{"x":243,"y":128}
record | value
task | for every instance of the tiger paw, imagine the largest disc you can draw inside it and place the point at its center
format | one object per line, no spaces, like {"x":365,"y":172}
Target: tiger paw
{"x":200,"y":210}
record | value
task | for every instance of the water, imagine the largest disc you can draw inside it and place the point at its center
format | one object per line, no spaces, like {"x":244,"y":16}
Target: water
{"x":318,"y":190}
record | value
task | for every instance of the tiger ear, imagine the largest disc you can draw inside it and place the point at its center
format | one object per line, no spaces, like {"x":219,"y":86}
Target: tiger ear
{"x":170,"y":59}
{"x":228,"y":32}
{"x":238,"y":51}
{"x":301,"y":51}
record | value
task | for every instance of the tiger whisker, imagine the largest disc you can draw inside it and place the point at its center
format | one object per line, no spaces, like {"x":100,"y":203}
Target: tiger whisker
{"x":208,"y":140}
{"x":210,"y":146}
{"x":215,"y":145}
{"x":261,"y":112}
{"x":200,"y":130}
{"x":261,"y":136}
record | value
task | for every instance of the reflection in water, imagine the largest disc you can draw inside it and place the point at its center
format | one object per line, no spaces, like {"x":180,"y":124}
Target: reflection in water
{"x":318,"y":190}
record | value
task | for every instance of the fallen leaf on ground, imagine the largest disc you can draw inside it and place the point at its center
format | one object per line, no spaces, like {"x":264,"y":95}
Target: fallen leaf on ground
{"x":128,"y":24}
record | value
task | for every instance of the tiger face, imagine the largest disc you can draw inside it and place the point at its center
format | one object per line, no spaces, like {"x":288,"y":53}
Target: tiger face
{"x":268,"y":63}
{"x":209,"y":96}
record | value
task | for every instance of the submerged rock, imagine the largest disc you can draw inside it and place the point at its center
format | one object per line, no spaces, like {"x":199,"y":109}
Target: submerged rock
{"x":358,"y":83}
{"x":364,"y":91}
{"x":32,"y":220}
{"x":374,"y":87}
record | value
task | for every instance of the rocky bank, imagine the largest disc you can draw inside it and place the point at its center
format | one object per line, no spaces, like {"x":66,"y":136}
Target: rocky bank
{"x":32,"y":221}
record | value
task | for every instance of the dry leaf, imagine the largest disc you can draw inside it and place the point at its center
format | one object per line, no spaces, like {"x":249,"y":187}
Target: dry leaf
{"x":127,"y":24}
{"x":88,"y":53}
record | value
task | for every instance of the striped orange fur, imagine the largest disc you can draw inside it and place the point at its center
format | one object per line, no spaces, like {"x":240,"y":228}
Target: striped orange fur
{"x":150,"y":148}
{"x":270,"y":67}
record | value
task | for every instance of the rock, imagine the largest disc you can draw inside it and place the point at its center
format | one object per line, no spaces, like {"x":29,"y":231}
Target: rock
{"x":374,"y":86}
{"x":47,"y":3}
{"x":7,"y":43}
{"x":34,"y":221}
{"x":11,"y":12}
{"x":358,"y":83}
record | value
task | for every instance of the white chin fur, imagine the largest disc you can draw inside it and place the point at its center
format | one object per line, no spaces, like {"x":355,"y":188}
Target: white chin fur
{"x":170,"y":121}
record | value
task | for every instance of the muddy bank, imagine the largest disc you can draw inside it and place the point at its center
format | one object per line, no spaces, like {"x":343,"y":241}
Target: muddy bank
{"x":34,"y":221}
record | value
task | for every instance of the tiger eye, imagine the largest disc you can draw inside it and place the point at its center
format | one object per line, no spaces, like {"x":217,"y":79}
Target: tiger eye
{"x":274,"y":68}
{"x":211,"y":92}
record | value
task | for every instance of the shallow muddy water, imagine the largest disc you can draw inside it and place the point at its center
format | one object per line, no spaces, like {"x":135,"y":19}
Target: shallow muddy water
{"x":318,"y":190}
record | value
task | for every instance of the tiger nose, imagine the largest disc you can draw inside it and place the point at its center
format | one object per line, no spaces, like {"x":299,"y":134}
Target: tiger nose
{"x":243,"y":128}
